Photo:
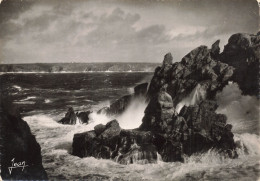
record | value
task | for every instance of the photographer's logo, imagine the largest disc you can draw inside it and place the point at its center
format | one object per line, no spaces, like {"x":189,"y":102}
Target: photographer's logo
{"x":16,"y":165}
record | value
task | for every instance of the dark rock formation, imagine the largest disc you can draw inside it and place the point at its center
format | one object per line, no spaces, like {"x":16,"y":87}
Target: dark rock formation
{"x":120,"y":105}
{"x":242,"y":52}
{"x":196,"y":128}
{"x":158,"y":112}
{"x":83,"y":116}
{"x":196,"y":68}
{"x":98,"y":143}
{"x":215,"y":50}
{"x":18,"y":144}
{"x":71,"y":117}
{"x":141,"y":89}
{"x":111,"y":142}
{"x":205,"y":129}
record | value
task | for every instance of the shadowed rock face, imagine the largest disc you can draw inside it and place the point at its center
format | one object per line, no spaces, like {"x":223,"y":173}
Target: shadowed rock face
{"x":120,"y":105}
{"x":71,"y":117}
{"x":18,"y":143}
{"x":197,"y":67}
{"x":242,"y":52}
{"x":141,"y":89}
{"x":196,"y":128}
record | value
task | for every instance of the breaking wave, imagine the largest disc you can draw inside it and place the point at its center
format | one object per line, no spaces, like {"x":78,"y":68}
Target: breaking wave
{"x":242,"y":111}
{"x":197,"y":94}
{"x":56,"y":139}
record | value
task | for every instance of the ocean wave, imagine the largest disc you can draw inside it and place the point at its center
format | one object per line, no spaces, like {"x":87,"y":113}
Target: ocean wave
{"x":56,"y":139}
{"x":71,"y":72}
{"x":28,"y":98}
{"x":242,"y":111}
{"x":47,"y":101}
{"x":17,"y":87}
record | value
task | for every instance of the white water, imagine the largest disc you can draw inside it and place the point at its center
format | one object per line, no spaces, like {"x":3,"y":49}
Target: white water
{"x":133,"y":115}
{"x":56,"y":139}
{"x":197,"y":94}
{"x":242,"y":111}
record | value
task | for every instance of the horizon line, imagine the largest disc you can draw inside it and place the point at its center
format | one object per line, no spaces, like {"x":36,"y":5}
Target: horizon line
{"x":74,"y":63}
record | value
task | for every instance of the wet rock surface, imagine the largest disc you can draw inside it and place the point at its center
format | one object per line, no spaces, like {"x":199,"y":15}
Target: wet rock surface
{"x":72,"y":118}
{"x":120,"y":105}
{"x":242,"y":52}
{"x":18,"y":145}
{"x":193,"y":128}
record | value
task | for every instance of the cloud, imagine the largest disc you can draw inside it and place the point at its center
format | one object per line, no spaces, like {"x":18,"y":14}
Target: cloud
{"x":65,"y":31}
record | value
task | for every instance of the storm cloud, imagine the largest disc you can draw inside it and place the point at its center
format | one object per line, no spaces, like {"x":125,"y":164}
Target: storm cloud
{"x":130,"y":31}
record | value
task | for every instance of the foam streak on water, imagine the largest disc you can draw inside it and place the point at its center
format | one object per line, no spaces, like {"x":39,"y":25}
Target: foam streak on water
{"x":242,"y":112}
{"x":56,"y":139}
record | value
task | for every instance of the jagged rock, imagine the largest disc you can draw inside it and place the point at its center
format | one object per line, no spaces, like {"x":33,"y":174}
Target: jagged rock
{"x":136,"y":146}
{"x":215,"y":50}
{"x":18,"y":143}
{"x":158,"y":112}
{"x":118,"y":106}
{"x":242,"y":52}
{"x":141,"y":89}
{"x":197,"y":67}
{"x":207,"y":128}
{"x":112,"y":129}
{"x":70,"y":117}
{"x":98,"y":145}
{"x":197,"y":127}
{"x":167,"y":61}
{"x":83,"y":116}
{"x":124,"y":146}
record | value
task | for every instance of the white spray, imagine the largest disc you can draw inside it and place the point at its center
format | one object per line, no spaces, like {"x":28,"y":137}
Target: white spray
{"x":197,"y":94}
{"x":242,"y":111}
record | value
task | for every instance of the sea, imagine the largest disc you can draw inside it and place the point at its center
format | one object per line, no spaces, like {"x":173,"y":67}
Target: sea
{"x":43,"y":99}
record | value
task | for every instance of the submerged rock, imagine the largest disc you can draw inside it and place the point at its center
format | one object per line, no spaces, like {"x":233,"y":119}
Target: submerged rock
{"x":72,"y":118}
{"x":83,"y":116}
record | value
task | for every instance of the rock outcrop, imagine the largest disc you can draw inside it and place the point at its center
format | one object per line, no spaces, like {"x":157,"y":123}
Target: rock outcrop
{"x":18,"y":145}
{"x":196,"y":68}
{"x":120,"y":105}
{"x":195,"y":126}
{"x":196,"y":129}
{"x":242,"y":52}
{"x":72,"y":118}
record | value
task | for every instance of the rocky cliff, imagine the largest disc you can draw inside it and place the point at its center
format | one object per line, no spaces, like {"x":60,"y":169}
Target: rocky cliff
{"x":180,"y":118}
{"x":20,"y":153}
{"x":79,"y":67}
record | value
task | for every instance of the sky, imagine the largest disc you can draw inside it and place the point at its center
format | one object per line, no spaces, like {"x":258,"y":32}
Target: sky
{"x":48,"y":31}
